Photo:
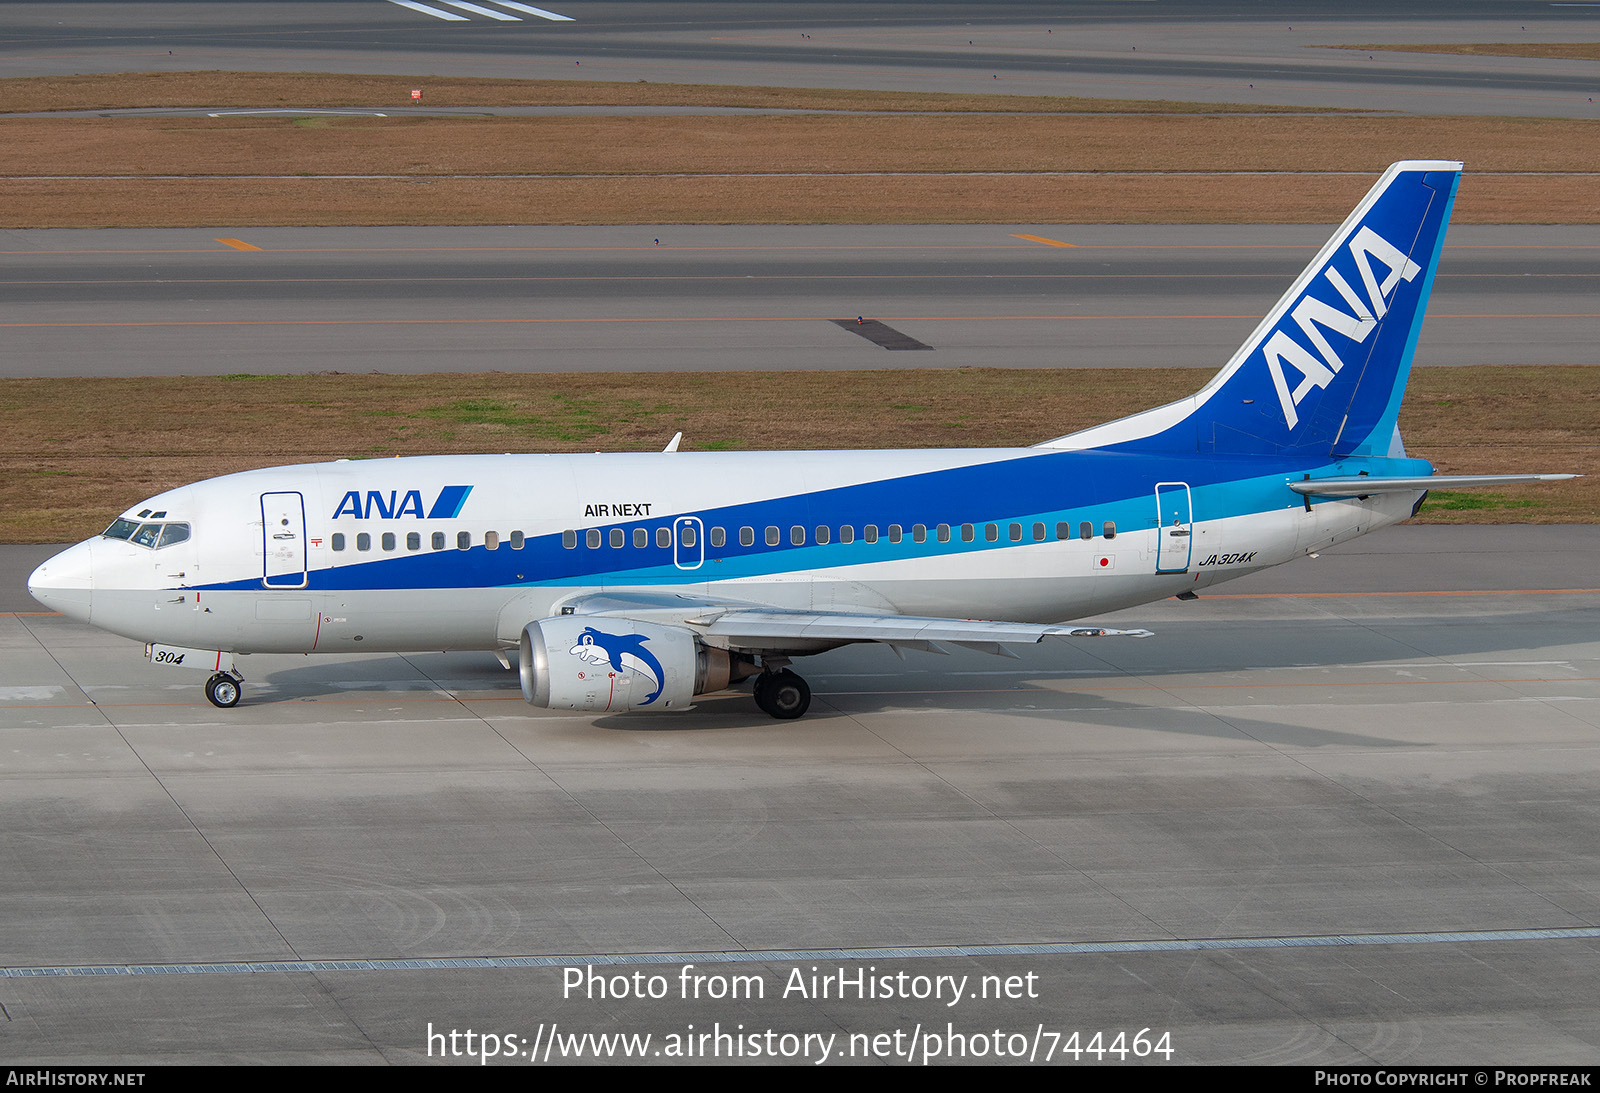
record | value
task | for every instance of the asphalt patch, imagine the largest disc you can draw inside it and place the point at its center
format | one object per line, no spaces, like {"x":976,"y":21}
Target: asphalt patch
{"x":880,"y":334}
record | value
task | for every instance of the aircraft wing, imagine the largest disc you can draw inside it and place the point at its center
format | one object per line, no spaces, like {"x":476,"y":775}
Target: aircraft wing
{"x":762,"y":627}
{"x":757,"y":627}
{"x":1364,"y":485}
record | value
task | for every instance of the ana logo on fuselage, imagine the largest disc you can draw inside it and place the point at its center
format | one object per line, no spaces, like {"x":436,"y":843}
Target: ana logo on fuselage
{"x":396,"y":506}
{"x":1314,"y":316}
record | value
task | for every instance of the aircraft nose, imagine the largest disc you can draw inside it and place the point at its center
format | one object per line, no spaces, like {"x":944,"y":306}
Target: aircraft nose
{"x":65,"y":582}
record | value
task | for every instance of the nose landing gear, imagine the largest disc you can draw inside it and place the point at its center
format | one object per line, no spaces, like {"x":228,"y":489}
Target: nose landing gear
{"x":223,"y":690}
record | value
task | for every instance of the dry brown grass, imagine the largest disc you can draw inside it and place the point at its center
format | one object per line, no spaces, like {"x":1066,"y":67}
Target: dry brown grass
{"x":1566,"y":51}
{"x":920,"y":199}
{"x":721,"y":169}
{"x":749,"y":144}
{"x":176,"y":90}
{"x":69,"y":461}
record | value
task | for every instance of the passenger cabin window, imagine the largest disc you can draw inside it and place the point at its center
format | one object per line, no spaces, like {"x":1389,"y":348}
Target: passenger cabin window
{"x":1086,"y":530}
{"x":491,"y":540}
{"x":388,"y":540}
{"x":991,"y":532}
{"x":1038,"y":533}
{"x":747,"y":536}
{"x":516,"y":540}
{"x":641,"y":538}
{"x":719,"y":538}
{"x":1109,"y":529}
{"x":337,"y":540}
{"x":847,"y":534}
{"x":592,"y":537}
{"x":919,"y":533}
{"x":413,"y":540}
{"x":870,"y":533}
{"x":569,"y":539}
{"x":968,"y":533}
{"x":618,"y":538}
{"x":686,"y":535}
{"x":1016,"y":533}
{"x":894,"y":533}
{"x":463,"y":540}
{"x":664,"y":538}
{"x":438,"y":540}
{"x":823,"y":535}
{"x":773,"y":536}
{"x":363,"y":541}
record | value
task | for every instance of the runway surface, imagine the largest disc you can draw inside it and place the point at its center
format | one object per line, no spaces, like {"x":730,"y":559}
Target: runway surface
{"x":1177,"y":49}
{"x":1354,"y":825}
{"x":598,"y":299}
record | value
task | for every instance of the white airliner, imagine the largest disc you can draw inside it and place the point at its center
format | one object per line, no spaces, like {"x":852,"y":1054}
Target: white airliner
{"x":638,"y":581}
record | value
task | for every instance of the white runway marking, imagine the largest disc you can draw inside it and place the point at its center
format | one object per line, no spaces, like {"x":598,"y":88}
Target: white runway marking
{"x":769,"y":956}
{"x":30,"y":694}
{"x":437,"y":13}
{"x":479,"y":9}
{"x":297,"y":113}
{"x":487,"y":12}
{"x":530,"y":10}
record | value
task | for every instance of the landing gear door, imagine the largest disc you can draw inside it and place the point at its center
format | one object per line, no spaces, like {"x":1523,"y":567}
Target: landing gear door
{"x":283,"y":540}
{"x":1174,"y":527}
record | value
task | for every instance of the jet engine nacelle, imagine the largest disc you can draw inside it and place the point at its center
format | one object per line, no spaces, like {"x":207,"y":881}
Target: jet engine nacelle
{"x":576,"y":662}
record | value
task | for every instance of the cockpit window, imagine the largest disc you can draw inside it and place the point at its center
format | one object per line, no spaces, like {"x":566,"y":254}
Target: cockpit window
{"x":151,"y":534}
{"x":174,"y":533}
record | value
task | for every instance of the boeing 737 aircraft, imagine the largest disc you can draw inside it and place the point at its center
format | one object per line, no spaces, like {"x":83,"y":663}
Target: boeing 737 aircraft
{"x":638,"y":581}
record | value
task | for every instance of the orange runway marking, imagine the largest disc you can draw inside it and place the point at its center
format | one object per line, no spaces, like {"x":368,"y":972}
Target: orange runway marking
{"x":588,"y":249}
{"x":1443,"y":592}
{"x":238,"y":244}
{"x":1042,"y":239}
{"x":1086,"y":687}
{"x":778,"y":248}
{"x":688,"y":319}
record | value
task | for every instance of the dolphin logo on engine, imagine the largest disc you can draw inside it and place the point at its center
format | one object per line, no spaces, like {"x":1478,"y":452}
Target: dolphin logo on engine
{"x":621,"y":652}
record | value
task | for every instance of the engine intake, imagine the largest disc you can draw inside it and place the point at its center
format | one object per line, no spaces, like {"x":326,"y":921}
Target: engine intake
{"x":602,"y":663}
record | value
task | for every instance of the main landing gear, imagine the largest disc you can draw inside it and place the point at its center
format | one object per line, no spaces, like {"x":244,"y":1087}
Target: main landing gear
{"x":782,"y":694}
{"x":223,"y":690}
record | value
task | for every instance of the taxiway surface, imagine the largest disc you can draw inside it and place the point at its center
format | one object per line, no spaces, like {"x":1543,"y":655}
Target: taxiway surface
{"x":1341,"y":812}
{"x":1345,"y":817}
{"x":1191,"y":50}
{"x":598,"y":299}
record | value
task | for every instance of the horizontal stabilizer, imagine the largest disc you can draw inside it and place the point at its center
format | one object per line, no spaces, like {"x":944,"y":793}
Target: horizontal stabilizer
{"x":1363,"y":485}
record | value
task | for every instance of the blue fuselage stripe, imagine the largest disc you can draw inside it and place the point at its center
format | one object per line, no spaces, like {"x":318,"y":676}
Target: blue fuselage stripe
{"x":1036,"y":487}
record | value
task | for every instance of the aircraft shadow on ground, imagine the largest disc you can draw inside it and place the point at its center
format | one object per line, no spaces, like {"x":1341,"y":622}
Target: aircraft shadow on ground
{"x":1065,"y":683}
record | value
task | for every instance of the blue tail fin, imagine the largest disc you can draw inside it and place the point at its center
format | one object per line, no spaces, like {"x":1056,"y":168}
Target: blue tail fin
{"x":1324,"y":372}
